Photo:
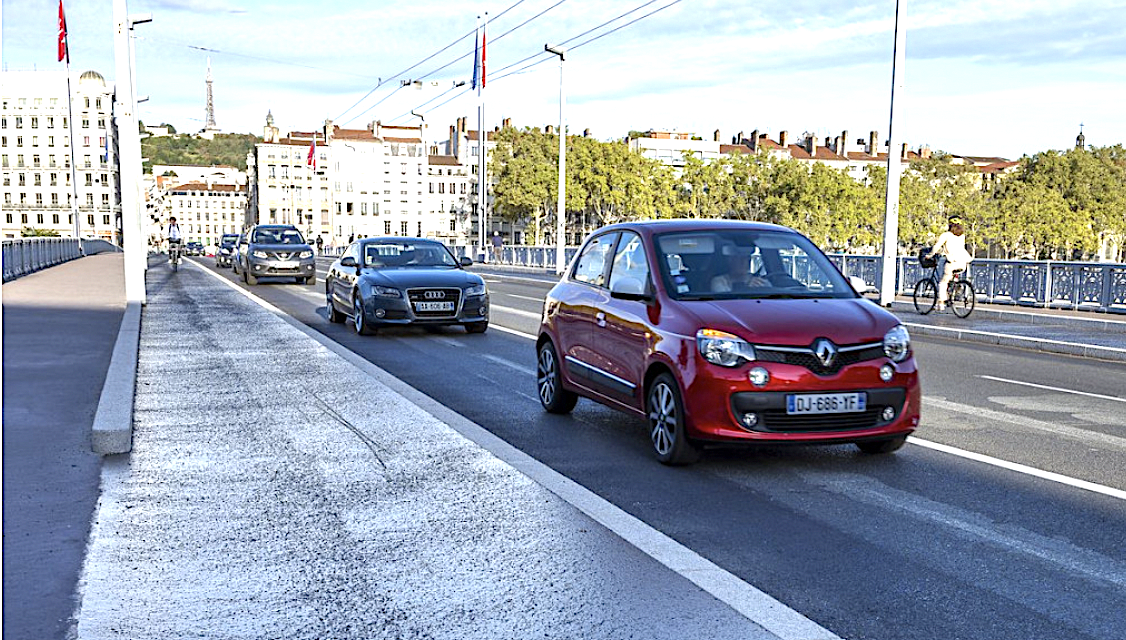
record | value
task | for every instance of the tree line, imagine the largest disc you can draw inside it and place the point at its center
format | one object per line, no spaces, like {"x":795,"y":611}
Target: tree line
{"x":1054,"y":205}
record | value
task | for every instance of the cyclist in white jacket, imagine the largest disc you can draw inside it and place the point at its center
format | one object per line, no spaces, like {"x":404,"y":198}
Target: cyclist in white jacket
{"x":952,"y":246}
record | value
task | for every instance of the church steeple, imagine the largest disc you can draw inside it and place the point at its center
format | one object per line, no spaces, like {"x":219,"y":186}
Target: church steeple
{"x":1080,"y":140}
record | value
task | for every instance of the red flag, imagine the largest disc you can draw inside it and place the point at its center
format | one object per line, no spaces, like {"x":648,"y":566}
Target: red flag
{"x":483,"y":31}
{"x":311,"y":159}
{"x":64,"y":52}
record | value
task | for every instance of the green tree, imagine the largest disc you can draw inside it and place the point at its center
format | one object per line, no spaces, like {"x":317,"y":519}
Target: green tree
{"x":32,"y":232}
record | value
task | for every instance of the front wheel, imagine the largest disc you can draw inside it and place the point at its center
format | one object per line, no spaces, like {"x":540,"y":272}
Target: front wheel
{"x":925,"y":296}
{"x":358,"y":318}
{"x":549,"y":382}
{"x":962,"y":298}
{"x":251,"y":280}
{"x":666,"y":423}
{"x":477,"y":327}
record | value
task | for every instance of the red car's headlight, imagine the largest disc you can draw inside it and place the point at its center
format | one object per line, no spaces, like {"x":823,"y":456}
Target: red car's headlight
{"x":723,"y":349}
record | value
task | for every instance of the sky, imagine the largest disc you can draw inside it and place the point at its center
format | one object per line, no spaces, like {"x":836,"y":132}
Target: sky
{"x":996,"y":78}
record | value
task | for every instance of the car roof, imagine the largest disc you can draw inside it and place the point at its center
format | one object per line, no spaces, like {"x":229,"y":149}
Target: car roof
{"x":397,"y":239}
{"x":275,"y":226}
{"x":694,"y":224}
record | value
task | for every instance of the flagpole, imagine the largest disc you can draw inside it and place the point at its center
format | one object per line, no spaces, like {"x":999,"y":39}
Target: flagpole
{"x":70,"y":121}
{"x":482,"y":140}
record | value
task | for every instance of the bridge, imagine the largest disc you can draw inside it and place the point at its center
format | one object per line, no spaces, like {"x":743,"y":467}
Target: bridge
{"x":283,"y":477}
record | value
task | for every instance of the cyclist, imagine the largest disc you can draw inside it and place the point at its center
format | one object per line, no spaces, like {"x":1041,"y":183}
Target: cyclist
{"x":174,"y":237}
{"x":952,"y":246}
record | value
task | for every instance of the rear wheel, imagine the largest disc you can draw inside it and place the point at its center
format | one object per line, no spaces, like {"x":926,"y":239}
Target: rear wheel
{"x":553,"y":397}
{"x":925,"y":296}
{"x":962,"y":298}
{"x":886,"y":445}
{"x":666,"y":423}
{"x":358,"y":318}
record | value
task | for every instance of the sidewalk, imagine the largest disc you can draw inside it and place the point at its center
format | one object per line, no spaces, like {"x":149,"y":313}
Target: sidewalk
{"x":60,"y":325}
{"x":281,"y":487}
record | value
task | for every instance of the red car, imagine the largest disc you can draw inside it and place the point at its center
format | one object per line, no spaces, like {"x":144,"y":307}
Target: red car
{"x":725,"y":332}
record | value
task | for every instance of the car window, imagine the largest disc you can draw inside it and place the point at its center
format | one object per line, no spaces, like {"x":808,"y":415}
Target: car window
{"x":591,"y":265}
{"x":739,"y":263}
{"x":277,"y":236}
{"x":630,"y":271}
{"x":406,"y":254}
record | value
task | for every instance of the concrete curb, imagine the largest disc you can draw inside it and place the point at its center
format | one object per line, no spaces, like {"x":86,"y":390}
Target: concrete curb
{"x":113,"y":423}
{"x":1031,"y":317}
{"x":1035,"y":344}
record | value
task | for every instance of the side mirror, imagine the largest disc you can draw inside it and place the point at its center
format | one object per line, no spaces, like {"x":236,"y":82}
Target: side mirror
{"x":859,"y":285}
{"x":629,"y":288}
{"x":465,"y":261}
{"x":348,"y":261}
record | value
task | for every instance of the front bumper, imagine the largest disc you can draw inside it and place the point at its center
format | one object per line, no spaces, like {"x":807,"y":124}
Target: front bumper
{"x":293,"y":268}
{"x":715,"y":420}
{"x":388,"y":311}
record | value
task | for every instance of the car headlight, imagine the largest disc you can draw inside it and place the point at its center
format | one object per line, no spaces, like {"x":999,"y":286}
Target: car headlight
{"x":386,"y":292}
{"x":897,"y":343}
{"x":305,"y":254}
{"x":476,"y":290}
{"x":724,"y":349}
{"x":259,"y":254}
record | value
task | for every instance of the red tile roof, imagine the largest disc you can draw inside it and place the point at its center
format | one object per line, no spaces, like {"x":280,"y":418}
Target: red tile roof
{"x":444,"y":160}
{"x":200,"y":186}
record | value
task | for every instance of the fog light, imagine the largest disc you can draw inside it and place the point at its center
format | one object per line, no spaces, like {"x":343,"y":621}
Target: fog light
{"x":888,"y":414}
{"x":750,"y":420}
{"x":379,"y":313}
{"x":887,"y":372}
{"x":759,"y":377}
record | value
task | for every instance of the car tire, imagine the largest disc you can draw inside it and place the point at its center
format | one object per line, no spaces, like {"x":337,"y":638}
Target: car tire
{"x":477,"y":327}
{"x":242,"y":272}
{"x":334,"y":316}
{"x":310,"y":279}
{"x":363,"y":328}
{"x":884,"y":445}
{"x":549,"y":382}
{"x":251,"y":280}
{"x":665,"y":410}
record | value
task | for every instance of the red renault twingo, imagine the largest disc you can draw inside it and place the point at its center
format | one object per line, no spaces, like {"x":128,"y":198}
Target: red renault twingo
{"x":725,"y":332}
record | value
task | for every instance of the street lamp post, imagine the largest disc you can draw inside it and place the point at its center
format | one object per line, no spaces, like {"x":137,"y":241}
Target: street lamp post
{"x":889,"y":259}
{"x":561,"y":208}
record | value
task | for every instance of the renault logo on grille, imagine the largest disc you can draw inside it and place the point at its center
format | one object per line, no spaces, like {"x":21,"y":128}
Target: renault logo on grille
{"x":434,"y":295}
{"x":825,"y":351}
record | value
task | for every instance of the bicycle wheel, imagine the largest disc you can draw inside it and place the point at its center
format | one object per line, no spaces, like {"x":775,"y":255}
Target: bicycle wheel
{"x":925,"y":296}
{"x":962,"y":298}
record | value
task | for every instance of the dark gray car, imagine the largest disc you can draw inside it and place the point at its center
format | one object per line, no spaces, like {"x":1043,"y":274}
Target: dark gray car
{"x":275,"y":250}
{"x":226,"y":249}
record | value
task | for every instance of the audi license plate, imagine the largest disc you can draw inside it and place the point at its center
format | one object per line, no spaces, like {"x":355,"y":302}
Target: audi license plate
{"x":826,"y":403}
{"x":433,"y":306}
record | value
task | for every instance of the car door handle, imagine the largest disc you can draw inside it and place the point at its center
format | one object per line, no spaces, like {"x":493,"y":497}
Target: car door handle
{"x":600,"y":319}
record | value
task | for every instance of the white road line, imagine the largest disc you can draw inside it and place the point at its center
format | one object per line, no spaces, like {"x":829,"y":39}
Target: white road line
{"x":1010,"y":336}
{"x":518,"y":312}
{"x":496,"y":327}
{"x":511,"y":365}
{"x":1020,"y":468}
{"x":513,"y":295}
{"x":1082,"y":435}
{"x":1060,"y":389}
{"x":536,"y":280}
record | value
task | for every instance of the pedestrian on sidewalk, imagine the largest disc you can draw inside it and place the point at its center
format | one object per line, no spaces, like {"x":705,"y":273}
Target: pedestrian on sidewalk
{"x":320,"y":245}
{"x":951,"y":245}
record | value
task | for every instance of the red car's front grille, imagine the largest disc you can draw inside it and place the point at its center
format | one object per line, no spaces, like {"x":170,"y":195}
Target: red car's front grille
{"x":806,"y":358}
{"x":780,"y":421}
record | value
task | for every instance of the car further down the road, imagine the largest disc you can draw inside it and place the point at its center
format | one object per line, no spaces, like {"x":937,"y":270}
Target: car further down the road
{"x":226,"y":249}
{"x":273,"y":250}
{"x":725,"y":332}
{"x":405,"y":281}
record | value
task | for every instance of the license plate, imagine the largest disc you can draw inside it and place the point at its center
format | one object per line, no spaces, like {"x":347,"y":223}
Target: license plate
{"x":433,"y":306}
{"x":826,"y":403}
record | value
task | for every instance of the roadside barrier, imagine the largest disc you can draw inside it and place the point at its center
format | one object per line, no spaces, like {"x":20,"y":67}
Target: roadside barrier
{"x":27,"y":255}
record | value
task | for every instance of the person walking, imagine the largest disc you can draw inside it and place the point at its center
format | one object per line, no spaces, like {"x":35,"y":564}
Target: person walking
{"x":320,"y":245}
{"x":952,"y":246}
{"x":498,"y":244}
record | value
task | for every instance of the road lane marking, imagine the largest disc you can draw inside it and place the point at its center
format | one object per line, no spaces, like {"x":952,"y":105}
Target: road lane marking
{"x":511,"y":365}
{"x":1060,"y":389}
{"x":518,"y":312}
{"x":496,"y":278}
{"x":1020,"y":468}
{"x":514,"y":332}
{"x":513,"y":295}
{"x":949,"y":332}
{"x":1076,"y":433}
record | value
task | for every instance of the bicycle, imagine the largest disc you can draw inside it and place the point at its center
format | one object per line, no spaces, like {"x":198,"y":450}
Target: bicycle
{"x":960,"y":292}
{"x":174,"y":251}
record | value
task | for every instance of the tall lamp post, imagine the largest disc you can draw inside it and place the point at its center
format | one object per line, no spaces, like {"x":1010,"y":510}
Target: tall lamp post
{"x":891,"y":205}
{"x":561,"y":208}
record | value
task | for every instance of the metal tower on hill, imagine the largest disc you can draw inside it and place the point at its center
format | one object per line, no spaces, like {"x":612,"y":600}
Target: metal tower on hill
{"x":210,"y":122}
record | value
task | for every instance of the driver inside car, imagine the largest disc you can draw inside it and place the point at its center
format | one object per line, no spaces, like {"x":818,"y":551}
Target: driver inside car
{"x":738,"y":276}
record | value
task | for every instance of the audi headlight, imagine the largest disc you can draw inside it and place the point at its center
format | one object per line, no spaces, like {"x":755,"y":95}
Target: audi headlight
{"x":476,"y":290}
{"x":897,"y":343}
{"x":724,"y":349}
{"x":305,"y":254}
{"x":386,"y":292}
{"x":260,"y":254}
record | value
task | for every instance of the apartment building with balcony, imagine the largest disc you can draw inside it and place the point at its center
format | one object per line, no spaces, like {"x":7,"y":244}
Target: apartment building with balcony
{"x":35,"y":154}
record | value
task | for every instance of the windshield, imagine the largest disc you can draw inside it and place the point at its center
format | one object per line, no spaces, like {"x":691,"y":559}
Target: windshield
{"x":229,"y":238}
{"x":727,"y":264}
{"x":392,"y":254}
{"x":277,"y":236}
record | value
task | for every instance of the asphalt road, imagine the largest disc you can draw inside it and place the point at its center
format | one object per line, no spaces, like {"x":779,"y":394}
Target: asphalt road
{"x":1004,"y":517}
